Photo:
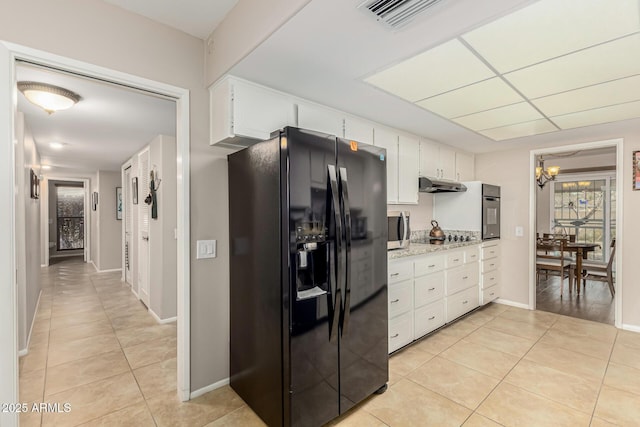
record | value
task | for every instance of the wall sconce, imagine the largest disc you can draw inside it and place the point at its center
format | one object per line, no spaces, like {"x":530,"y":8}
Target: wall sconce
{"x":94,"y":200}
{"x":545,"y":175}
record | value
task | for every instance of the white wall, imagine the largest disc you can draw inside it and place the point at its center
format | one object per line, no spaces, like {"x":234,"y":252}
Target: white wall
{"x":510,"y":170}
{"x":162,"y":243}
{"x":247,"y":25}
{"x":421,"y":214}
{"x":28,"y":230}
{"x":109,"y":236}
{"x":99,"y":33}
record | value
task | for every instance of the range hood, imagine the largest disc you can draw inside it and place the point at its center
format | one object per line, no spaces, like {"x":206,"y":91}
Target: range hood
{"x":430,"y":185}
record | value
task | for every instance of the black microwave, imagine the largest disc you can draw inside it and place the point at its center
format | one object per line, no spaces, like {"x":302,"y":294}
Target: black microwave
{"x":398,"y":229}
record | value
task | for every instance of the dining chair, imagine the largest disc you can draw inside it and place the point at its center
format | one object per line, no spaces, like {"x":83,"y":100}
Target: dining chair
{"x":550,"y":259}
{"x":597,"y":271}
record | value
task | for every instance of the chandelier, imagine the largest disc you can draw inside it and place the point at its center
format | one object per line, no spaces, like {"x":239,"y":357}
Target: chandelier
{"x":545,"y":175}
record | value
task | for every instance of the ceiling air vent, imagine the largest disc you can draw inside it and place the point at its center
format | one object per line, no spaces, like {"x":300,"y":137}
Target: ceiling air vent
{"x":396,"y":13}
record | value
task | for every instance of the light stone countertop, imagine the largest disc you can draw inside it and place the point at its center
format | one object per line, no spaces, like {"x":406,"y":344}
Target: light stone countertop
{"x":415,"y":249}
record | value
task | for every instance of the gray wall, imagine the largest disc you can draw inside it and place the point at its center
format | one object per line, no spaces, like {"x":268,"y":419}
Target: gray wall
{"x":162,"y":243}
{"x":109,"y":236}
{"x":51,"y":218}
{"x":27,"y":232}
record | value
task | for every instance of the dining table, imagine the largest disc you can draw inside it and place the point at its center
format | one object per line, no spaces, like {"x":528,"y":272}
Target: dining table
{"x":582,"y":251}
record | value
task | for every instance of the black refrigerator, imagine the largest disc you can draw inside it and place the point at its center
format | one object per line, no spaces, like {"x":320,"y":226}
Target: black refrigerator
{"x":308,"y":276}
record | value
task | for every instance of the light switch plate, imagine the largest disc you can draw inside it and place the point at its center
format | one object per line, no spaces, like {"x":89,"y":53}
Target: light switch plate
{"x":519,"y":231}
{"x":206,"y":249}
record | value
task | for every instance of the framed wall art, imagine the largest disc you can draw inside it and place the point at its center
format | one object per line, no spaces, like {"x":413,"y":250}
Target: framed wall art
{"x":35,"y":185}
{"x":94,"y":200}
{"x":134,"y":189}
{"x":119,"y":203}
{"x":636,"y":170}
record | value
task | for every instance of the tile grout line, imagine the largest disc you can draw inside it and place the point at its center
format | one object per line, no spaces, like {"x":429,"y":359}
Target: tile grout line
{"x":593,"y":413}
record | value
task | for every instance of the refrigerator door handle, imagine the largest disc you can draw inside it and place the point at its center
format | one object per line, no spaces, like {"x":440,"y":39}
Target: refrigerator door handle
{"x":333,"y":180}
{"x":347,"y":232}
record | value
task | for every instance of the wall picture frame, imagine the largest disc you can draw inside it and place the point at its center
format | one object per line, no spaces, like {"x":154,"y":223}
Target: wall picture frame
{"x":119,"y":203}
{"x":134,"y":190}
{"x":35,"y":185}
{"x":636,"y":170}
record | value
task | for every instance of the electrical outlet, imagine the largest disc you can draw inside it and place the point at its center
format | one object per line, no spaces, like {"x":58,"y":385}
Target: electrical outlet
{"x":206,"y":249}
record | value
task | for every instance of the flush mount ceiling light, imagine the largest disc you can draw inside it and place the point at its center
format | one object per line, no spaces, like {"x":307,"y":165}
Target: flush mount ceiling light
{"x":545,"y":175}
{"x":546,"y":67}
{"x":48,"y":97}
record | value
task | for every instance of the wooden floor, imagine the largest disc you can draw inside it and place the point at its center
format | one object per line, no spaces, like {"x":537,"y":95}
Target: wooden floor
{"x":594,"y":303}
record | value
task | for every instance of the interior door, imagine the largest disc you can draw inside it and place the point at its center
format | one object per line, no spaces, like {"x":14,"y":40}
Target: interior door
{"x":364,"y":329}
{"x":128,"y":228}
{"x":143,"y":228}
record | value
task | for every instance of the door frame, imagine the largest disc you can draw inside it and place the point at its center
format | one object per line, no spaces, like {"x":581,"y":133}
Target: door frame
{"x":618,"y":143}
{"x":86,"y":186}
{"x":9,"y":54}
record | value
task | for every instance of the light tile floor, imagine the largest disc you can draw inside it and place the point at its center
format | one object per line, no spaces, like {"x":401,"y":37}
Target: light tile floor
{"x":95,"y":347}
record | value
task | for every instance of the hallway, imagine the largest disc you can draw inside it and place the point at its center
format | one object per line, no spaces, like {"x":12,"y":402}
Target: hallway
{"x":95,"y":346}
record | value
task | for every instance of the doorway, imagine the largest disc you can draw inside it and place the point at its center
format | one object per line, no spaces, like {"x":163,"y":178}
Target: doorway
{"x":9,"y":55}
{"x":580,"y":207}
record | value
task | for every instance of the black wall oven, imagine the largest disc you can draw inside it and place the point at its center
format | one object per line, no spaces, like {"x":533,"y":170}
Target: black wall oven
{"x":490,"y":212}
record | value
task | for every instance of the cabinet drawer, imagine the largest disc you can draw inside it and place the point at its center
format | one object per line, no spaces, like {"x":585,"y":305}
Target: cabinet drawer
{"x":461,"y":278}
{"x":400,"y":298}
{"x":490,"y":265}
{"x":455,"y":259}
{"x":489,"y":294}
{"x":399,"y":271}
{"x":428,"y":265}
{"x":428,"y":318}
{"x":489,"y":252}
{"x":489,"y":279}
{"x":400,"y":331}
{"x":471,"y":254}
{"x":461,"y":303}
{"x":428,"y":288}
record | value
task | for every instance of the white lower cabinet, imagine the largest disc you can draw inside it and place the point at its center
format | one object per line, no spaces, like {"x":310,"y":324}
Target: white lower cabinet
{"x":489,"y":272}
{"x":428,"y":291}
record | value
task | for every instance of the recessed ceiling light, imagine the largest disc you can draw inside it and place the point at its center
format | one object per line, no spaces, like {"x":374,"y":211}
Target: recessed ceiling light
{"x":46,"y":167}
{"x":56,"y":145}
{"x":48,"y":97}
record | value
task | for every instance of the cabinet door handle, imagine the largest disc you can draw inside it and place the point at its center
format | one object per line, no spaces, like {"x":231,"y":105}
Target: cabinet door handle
{"x":465,"y":277}
{"x":492,"y":265}
{"x":395,"y":301}
{"x":395,"y":274}
{"x":431,"y":266}
{"x":456,"y":260}
{"x":465,"y":302}
{"x":395,"y":336}
{"x":431,"y":289}
{"x":491,"y":294}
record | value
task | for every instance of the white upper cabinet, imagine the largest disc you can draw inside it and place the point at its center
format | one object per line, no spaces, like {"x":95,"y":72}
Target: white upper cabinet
{"x":408,"y":165}
{"x":437,"y":160}
{"x":321,"y":119}
{"x":241,"y":109}
{"x":386,"y":138}
{"x":465,"y":167}
{"x":358,"y":130}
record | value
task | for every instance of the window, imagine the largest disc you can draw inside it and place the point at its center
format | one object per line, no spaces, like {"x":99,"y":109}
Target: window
{"x":584,"y":206}
{"x":70,"y":217}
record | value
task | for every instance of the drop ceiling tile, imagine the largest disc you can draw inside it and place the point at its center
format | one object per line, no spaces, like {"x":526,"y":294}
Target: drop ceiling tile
{"x":602,"y":95}
{"x":480,"y":96}
{"x":550,"y":28}
{"x":508,"y":115}
{"x":521,"y":129}
{"x":443,"y":68}
{"x":609,"y":61}
{"x":596,"y":116}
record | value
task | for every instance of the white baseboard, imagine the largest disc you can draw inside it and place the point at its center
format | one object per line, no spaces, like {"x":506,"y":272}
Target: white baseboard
{"x":512,"y":303}
{"x":43,"y":265}
{"x":632,"y":328}
{"x":163,"y":321}
{"x":25,"y":351}
{"x":65,"y":255}
{"x":103,"y":271}
{"x":209,"y":388}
